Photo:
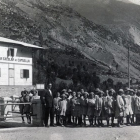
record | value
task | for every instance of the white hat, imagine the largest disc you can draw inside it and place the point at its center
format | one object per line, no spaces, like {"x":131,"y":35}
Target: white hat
{"x":121,"y":90}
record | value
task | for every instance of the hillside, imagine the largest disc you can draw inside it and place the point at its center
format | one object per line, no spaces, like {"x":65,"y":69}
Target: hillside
{"x":52,"y":25}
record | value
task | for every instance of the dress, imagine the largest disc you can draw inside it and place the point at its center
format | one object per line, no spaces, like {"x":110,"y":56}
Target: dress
{"x":133,"y":103}
{"x":110,"y":105}
{"x":72,"y":106}
{"x":104,"y":113}
{"x":119,"y":112}
{"x":56,"y":105}
{"x":91,"y":107}
{"x":77,"y":110}
{"x":98,"y":106}
{"x":27,"y":108}
{"x":21,"y":107}
{"x":127,"y":104}
{"x":84,"y":106}
{"x":137,"y":109}
{"x":63,"y":107}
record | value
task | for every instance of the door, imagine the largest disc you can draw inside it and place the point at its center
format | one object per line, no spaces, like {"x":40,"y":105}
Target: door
{"x":11,"y":74}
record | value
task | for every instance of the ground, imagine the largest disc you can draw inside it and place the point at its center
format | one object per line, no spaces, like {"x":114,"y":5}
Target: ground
{"x":67,"y":133}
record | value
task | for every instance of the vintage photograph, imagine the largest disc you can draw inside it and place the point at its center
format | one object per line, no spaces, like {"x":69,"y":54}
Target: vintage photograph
{"x":69,"y":69}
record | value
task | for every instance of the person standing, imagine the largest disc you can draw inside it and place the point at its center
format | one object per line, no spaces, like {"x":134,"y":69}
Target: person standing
{"x":120,"y":107}
{"x":48,"y":106}
{"x":128,"y":108}
{"x":56,"y":107}
{"x":137,"y":107}
{"x":72,"y":107}
{"x":63,"y":108}
{"x":91,"y":108}
{"x":27,"y":107}
{"x":111,"y":107}
{"x":21,"y":106}
{"x":98,"y":108}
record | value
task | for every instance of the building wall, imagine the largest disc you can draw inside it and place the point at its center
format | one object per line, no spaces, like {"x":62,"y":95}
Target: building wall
{"x":23,"y":81}
{"x":22,"y":60}
{"x":3,"y":74}
{"x":7,"y":91}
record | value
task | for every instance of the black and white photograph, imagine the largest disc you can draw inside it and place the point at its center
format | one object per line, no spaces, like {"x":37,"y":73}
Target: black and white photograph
{"x":69,"y":69}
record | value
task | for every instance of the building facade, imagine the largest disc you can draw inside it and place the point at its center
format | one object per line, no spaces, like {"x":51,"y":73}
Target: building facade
{"x":16,"y":66}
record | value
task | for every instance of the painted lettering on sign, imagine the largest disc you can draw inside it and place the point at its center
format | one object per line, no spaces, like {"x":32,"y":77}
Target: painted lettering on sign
{"x":12,"y":59}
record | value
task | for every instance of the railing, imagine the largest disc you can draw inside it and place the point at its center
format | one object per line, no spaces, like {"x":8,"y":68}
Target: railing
{"x":4,"y":116}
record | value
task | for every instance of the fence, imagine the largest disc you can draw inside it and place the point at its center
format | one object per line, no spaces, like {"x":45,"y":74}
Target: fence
{"x":36,"y":115}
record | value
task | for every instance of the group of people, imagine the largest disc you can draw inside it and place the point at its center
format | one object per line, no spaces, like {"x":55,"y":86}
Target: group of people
{"x":74,"y":108}
{"x":27,"y":97}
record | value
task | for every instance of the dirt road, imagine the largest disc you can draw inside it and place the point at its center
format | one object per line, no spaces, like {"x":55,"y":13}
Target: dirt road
{"x":65,"y":133}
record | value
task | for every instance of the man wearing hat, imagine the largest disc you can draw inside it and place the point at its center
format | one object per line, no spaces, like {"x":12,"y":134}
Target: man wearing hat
{"x":48,"y":105}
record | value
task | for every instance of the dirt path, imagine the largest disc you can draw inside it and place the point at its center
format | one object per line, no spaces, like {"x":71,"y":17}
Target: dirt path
{"x":62,"y":133}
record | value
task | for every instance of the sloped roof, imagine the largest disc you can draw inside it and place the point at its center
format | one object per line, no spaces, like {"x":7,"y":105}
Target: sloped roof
{"x":6,"y":40}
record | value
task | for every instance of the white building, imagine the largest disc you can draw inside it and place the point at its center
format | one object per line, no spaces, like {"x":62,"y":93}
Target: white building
{"x":15,"y":65}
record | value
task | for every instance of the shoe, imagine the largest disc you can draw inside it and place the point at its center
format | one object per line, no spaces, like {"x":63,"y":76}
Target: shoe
{"x":47,"y":126}
{"x":52,"y":125}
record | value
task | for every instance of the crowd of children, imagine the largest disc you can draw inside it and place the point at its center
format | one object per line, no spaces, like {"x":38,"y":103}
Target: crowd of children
{"x":74,"y":107}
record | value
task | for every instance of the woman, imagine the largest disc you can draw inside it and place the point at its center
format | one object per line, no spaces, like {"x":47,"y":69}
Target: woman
{"x":91,"y":108}
{"x":119,"y":113}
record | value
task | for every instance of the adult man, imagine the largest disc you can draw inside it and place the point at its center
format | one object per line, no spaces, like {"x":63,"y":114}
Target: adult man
{"x":48,"y":106}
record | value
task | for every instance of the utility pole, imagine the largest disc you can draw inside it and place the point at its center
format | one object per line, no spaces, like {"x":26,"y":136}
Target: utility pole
{"x":128,"y":66}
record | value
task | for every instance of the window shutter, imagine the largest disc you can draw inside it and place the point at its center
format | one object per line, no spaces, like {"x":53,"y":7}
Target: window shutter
{"x":21,"y":73}
{"x":8,"y":52}
{"x":12,"y":52}
{"x":27,"y":73}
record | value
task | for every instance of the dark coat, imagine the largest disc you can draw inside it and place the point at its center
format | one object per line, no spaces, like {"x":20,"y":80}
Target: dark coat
{"x":47,"y":98}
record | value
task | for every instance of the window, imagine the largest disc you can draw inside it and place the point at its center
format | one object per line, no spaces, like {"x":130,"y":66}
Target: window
{"x":24,"y":73}
{"x":11,"y":52}
{"x":11,"y":73}
{"x":0,"y":72}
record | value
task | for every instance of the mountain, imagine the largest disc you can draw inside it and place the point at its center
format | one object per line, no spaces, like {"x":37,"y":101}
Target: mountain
{"x":54,"y":24}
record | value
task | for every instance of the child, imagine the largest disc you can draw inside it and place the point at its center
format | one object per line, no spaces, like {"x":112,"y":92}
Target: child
{"x":110,"y":107}
{"x":91,"y":108}
{"x":128,"y":109}
{"x":84,"y":105}
{"x":98,"y":108}
{"x":63,"y":108}
{"x":56,"y":108}
{"x":104,"y":113}
{"x":137,"y":107}
{"x":119,"y":107}
{"x":27,"y":108}
{"x":21,"y":107}
{"x":72,"y":107}
{"x":77,"y":109}
{"x":133,"y":101}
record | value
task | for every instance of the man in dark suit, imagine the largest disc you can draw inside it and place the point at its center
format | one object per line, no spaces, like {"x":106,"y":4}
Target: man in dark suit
{"x":47,"y":105}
